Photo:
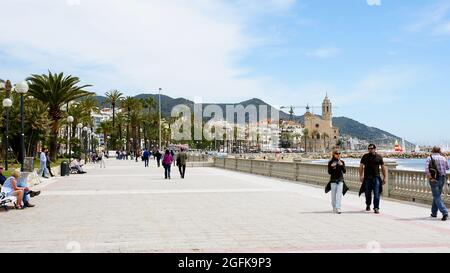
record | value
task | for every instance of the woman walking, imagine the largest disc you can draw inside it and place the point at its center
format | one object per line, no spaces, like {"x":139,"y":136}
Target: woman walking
{"x":101,"y":159}
{"x":337,"y":186}
{"x":167,"y":163}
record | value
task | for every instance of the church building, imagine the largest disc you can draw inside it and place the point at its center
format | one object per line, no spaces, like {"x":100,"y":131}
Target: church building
{"x":321,"y":134}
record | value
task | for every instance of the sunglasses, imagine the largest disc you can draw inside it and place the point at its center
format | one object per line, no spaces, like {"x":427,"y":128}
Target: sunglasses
{"x":371,"y":148}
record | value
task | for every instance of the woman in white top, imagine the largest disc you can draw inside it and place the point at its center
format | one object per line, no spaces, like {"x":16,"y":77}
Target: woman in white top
{"x":101,"y":158}
{"x":11,"y":189}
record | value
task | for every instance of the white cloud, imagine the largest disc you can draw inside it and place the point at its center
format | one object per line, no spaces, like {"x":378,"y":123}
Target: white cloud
{"x":386,"y":84}
{"x":374,"y":2}
{"x":186,"y":47}
{"x":434,"y":20}
{"x":324,"y":52}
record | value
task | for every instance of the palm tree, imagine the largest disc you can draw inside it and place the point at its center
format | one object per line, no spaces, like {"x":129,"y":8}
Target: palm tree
{"x":306,"y":137}
{"x":105,"y":128}
{"x":130,"y":105}
{"x":54,"y":90}
{"x":113,"y":97}
{"x":325,"y":136}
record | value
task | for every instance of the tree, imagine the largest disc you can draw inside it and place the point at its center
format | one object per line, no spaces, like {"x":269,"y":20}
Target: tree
{"x":306,"y":137}
{"x":55,"y":90}
{"x":114,"y":97}
{"x":325,"y":136}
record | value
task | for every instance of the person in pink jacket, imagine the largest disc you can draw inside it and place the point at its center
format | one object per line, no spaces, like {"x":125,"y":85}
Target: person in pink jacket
{"x":167,"y":163}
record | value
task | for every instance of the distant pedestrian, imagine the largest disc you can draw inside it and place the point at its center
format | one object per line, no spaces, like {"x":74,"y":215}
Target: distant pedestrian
{"x":167,"y":163}
{"x":145,"y":157}
{"x":158,"y":156}
{"x":369,"y":175}
{"x":101,"y":159}
{"x":172,"y":153}
{"x":43,"y":164}
{"x":336,"y":170}
{"x":181,"y":162}
{"x":436,"y":168}
{"x":48,"y":163}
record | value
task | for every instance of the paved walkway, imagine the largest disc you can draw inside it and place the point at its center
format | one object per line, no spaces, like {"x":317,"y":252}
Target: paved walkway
{"x":127,"y":208}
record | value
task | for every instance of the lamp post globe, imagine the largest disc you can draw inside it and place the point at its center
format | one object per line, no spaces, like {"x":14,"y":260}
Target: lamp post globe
{"x":22,"y":88}
{"x":70,"y":120}
{"x":7,"y":103}
{"x":79,"y":125}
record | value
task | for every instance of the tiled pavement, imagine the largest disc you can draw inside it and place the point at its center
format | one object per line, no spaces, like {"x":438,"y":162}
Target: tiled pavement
{"x":129,"y":208}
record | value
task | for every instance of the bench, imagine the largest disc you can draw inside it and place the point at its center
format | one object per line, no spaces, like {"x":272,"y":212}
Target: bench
{"x":4,"y":201}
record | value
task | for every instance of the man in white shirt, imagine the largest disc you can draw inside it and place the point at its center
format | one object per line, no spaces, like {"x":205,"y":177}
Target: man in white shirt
{"x":43,"y":164}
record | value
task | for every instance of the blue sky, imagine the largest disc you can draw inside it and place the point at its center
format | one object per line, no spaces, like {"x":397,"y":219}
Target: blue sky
{"x":383,"y":62}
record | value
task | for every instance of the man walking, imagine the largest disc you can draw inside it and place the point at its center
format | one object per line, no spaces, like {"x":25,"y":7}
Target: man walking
{"x":369,"y":175}
{"x":43,"y":163}
{"x":435,"y":169}
{"x":158,"y":156}
{"x":181,"y":161}
{"x":145,"y":157}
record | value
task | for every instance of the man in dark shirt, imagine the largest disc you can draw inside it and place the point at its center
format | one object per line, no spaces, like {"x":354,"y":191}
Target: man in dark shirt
{"x":2,"y":177}
{"x":369,"y":173}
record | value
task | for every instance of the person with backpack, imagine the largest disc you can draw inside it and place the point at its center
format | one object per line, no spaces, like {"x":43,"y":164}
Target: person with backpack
{"x":435,"y":170}
{"x":337,"y":186}
{"x":167,"y":163}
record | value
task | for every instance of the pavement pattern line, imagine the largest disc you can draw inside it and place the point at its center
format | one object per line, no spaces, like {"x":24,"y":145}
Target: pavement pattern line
{"x":212,"y":210}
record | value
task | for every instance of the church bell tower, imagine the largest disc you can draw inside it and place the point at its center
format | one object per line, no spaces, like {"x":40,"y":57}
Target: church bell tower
{"x":327,"y":113}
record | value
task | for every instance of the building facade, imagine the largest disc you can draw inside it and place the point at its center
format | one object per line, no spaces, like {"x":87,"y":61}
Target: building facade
{"x":320,"y":134}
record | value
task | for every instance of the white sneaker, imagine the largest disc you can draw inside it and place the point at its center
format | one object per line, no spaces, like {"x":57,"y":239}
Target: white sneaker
{"x":338,"y":211}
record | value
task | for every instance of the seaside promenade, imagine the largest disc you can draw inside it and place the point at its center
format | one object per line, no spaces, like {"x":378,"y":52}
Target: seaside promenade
{"x":129,"y":208}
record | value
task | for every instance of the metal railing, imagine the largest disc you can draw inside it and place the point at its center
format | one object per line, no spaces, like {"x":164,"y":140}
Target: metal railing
{"x":402,"y":184}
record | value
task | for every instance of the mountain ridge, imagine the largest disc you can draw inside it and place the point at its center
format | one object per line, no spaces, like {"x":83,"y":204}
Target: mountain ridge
{"x":348,"y":126}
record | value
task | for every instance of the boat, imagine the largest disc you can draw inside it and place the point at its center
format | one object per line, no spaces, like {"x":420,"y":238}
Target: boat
{"x":397,"y":147}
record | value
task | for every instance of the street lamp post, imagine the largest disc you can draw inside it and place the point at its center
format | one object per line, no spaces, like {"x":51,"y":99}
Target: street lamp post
{"x":107,"y":144}
{"x":79,"y":129}
{"x":159,"y":96}
{"x":85,"y":129}
{"x":22,"y":89}
{"x":89,"y":141}
{"x":69,"y":132}
{"x":7,"y":103}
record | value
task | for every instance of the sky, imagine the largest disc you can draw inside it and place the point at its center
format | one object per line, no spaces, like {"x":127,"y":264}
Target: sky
{"x":385,"y":63}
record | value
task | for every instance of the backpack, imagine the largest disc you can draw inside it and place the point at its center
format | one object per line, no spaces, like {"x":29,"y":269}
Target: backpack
{"x":433,"y":168}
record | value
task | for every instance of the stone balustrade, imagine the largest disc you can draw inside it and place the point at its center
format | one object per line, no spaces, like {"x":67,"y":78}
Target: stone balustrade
{"x":404,"y":185}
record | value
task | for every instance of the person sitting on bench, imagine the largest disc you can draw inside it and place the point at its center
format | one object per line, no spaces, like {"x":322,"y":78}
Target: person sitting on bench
{"x":75,"y":164}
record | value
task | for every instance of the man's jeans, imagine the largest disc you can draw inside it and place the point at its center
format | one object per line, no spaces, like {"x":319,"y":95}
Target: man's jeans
{"x":182,"y":169}
{"x":146,"y":161}
{"x":336,"y":194}
{"x":436,"y":189}
{"x":167,"y":170}
{"x":43,"y":169}
{"x":373,"y":185}
{"x":22,"y":183}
